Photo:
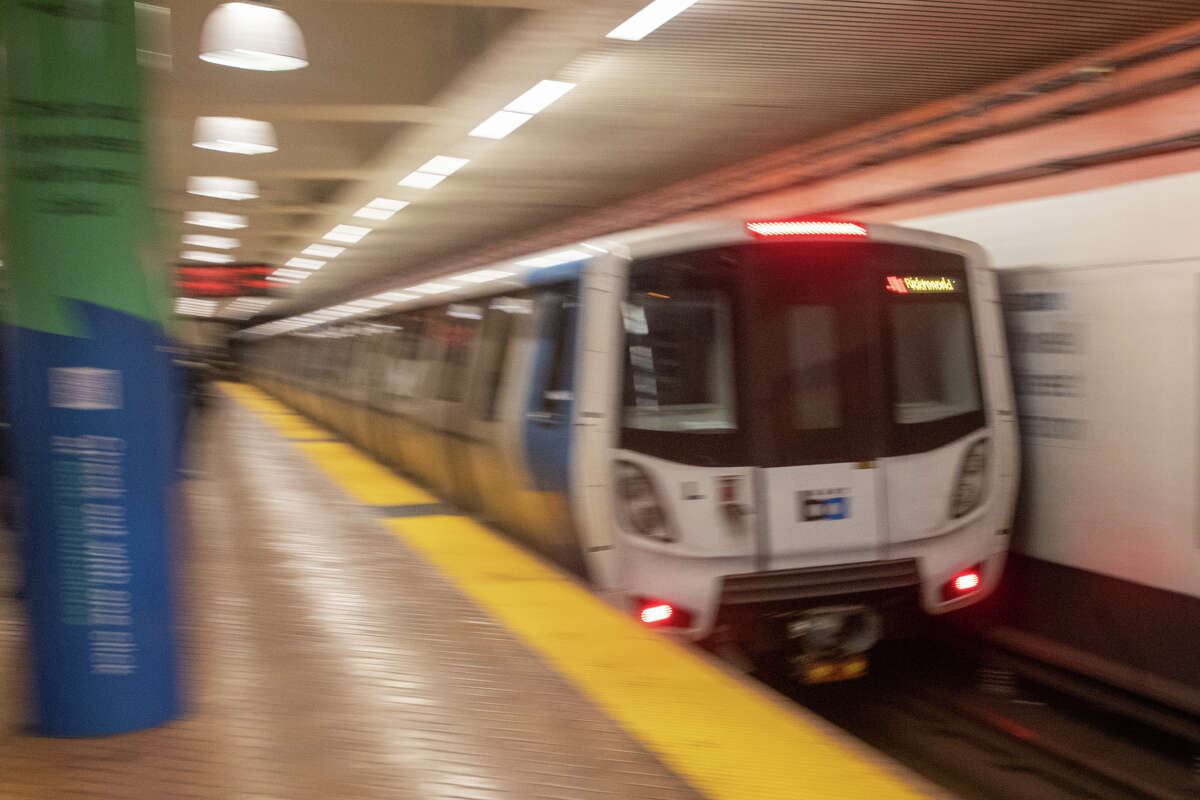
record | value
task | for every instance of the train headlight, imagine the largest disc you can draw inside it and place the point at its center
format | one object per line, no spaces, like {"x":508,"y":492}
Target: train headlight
{"x":972,"y":480}
{"x":639,"y":507}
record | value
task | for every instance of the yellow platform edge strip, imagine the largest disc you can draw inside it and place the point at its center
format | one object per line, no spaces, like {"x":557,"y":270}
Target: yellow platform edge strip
{"x":727,"y":738}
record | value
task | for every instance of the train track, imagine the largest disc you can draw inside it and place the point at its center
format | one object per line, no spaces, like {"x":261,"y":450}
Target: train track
{"x":947,"y":711}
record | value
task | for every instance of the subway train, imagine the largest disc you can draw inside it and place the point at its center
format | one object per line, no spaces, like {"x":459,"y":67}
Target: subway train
{"x":1102,"y":300}
{"x":792,"y":435}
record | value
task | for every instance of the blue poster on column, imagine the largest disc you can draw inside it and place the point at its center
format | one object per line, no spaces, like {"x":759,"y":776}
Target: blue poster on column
{"x":91,"y":445}
{"x":87,"y":371}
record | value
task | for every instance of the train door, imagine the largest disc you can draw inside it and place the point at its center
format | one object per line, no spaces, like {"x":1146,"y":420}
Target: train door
{"x":456,"y":327}
{"x":495,"y":408}
{"x":547,"y":421}
{"x":818,"y":433}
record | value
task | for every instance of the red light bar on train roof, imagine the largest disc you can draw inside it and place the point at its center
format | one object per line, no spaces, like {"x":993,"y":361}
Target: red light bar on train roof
{"x":795,"y":228}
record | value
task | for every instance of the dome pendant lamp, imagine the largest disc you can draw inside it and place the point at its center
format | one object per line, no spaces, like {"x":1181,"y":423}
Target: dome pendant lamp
{"x":252,"y":36}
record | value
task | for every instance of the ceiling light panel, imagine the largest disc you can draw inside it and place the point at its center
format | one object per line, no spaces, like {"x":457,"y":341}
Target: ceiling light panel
{"x":366,"y":212}
{"x":208,"y":240}
{"x":539,"y":97}
{"x":305,"y":263}
{"x":421,"y":180}
{"x":500,"y":124}
{"x":323,"y":250}
{"x":388,"y":204}
{"x":443,"y":165}
{"x":649,"y":19}
{"x":191,"y":305}
{"x":395,"y":297}
{"x":222,"y":188}
{"x":432,"y":288}
{"x":347,"y":233}
{"x":482,"y":276}
{"x":554,"y":259}
{"x":381,"y":208}
{"x":207,"y":256}
{"x":215,"y":219}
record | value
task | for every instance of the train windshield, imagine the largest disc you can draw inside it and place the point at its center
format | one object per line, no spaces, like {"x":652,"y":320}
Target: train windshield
{"x":798,"y":352}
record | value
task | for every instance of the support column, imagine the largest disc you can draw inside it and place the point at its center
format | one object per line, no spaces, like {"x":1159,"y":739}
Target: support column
{"x":87,"y":374}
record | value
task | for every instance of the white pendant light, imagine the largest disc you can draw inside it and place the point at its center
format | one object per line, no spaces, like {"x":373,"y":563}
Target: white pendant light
{"x":252,"y":36}
{"x":235,"y":135}
{"x":223,"y":188}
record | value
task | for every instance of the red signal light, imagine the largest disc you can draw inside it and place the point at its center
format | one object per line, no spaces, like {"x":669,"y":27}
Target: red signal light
{"x":657,"y":614}
{"x":777,"y":228}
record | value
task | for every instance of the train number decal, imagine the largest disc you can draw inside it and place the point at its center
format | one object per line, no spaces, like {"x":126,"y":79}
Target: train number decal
{"x":823,"y":504}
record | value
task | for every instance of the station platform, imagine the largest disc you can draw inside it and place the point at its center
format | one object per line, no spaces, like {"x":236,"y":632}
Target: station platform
{"x":349,"y":636}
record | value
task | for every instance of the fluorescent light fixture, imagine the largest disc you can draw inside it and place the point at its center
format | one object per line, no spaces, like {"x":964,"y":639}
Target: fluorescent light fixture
{"x":252,"y":36}
{"x":279,"y":279}
{"x":292,"y":273}
{"x":252,"y":301}
{"x":432,"y":288}
{"x":649,"y":19}
{"x":372,"y":303}
{"x":443,"y":165}
{"x":346,"y":233}
{"x":395,"y":297}
{"x":215,"y":219}
{"x":464,"y":312}
{"x":513,"y":305}
{"x":208,"y":240}
{"x":381,"y":208}
{"x":206,"y":255}
{"x":222,"y":188}
{"x":388,"y":203}
{"x":323,"y":250}
{"x":195,"y":308}
{"x":500,"y":124}
{"x":539,"y":97}
{"x":421,"y":180}
{"x":305,"y":263}
{"x":554,"y":259}
{"x":247,"y":137}
{"x":481,"y":276}
{"x":366,"y":212}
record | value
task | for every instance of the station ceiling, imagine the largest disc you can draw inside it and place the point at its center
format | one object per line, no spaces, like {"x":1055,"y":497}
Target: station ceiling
{"x":391,"y":84}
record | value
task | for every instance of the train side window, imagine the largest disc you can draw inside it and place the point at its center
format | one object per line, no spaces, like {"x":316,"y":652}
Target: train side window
{"x":403,"y":371}
{"x":429,"y":354}
{"x":499,"y":331}
{"x":556,"y":388}
{"x":458,"y":329}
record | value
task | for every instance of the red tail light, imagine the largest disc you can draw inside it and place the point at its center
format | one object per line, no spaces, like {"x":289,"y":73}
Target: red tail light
{"x":963,"y":583}
{"x":966,"y":582}
{"x":657,"y":614}
{"x":777,"y":228}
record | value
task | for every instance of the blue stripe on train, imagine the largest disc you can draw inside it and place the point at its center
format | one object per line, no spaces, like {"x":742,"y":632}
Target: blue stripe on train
{"x":559,"y":273}
{"x":547,"y":433}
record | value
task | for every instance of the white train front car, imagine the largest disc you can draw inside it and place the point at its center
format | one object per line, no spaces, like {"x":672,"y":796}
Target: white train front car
{"x":814,"y":431}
